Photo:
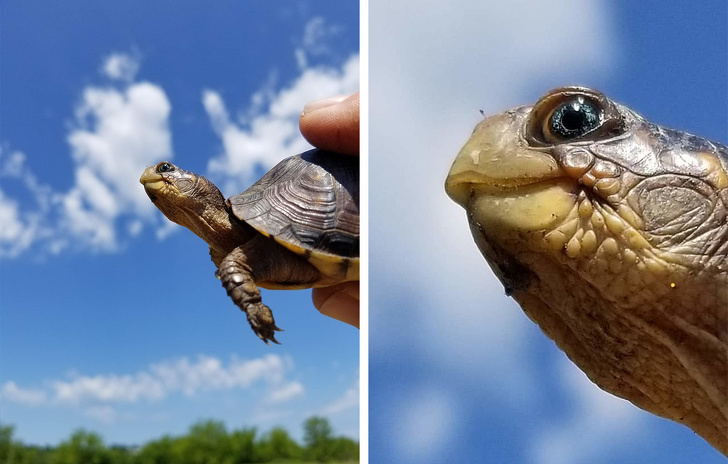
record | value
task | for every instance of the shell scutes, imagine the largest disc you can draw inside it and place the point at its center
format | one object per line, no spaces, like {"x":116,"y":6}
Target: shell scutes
{"x":308,"y":203}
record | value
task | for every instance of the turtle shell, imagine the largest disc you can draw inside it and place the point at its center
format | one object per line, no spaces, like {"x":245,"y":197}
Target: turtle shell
{"x":308,"y":203}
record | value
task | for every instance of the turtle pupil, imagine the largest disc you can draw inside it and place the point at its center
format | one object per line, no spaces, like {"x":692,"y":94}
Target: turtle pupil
{"x":164,"y":167}
{"x":574,"y":119}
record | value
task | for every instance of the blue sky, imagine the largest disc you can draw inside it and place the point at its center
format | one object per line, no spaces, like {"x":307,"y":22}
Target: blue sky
{"x":111,"y":316}
{"x":457,"y":371}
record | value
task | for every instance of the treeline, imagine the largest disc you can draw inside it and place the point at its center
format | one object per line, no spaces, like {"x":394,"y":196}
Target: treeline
{"x":207,"y":442}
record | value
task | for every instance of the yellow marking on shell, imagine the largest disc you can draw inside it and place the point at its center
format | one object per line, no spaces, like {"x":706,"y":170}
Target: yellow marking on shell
{"x":328,"y":265}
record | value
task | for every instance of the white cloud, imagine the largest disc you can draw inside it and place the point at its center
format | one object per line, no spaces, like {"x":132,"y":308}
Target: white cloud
{"x":102,"y":413}
{"x":18,"y":230}
{"x":109,"y":388}
{"x":268,"y":131}
{"x":286,"y":392}
{"x":599,"y":420}
{"x":121,"y":66}
{"x":11,"y":392}
{"x":349,"y":400}
{"x":116,"y":132}
{"x":423,"y":425}
{"x":160,"y":380}
{"x":98,"y":396}
{"x":21,"y":228}
{"x":316,"y":35}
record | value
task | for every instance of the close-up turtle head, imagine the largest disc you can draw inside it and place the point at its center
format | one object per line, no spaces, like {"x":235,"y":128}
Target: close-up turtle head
{"x":188,"y":199}
{"x":612,"y":234}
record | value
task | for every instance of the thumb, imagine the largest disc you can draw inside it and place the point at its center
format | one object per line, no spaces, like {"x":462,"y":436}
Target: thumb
{"x":332,"y":124}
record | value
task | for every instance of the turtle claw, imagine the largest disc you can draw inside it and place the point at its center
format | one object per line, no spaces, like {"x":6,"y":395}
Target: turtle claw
{"x":262,"y":323}
{"x":266,"y":334}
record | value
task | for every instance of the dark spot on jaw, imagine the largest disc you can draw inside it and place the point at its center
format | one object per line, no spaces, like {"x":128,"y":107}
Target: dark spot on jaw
{"x":512,"y":274}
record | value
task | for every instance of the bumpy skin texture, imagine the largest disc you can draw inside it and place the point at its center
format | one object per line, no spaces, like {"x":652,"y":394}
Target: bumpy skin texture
{"x":298,"y":227}
{"x":614,"y":240}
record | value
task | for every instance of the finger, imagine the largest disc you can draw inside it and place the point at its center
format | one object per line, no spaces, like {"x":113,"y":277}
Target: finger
{"x":332,"y":124}
{"x":340,"y":302}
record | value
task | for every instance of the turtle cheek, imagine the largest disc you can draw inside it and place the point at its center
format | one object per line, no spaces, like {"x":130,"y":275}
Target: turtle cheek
{"x":184,"y":184}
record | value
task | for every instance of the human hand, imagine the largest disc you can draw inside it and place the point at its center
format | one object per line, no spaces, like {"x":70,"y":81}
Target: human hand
{"x":333,"y":124}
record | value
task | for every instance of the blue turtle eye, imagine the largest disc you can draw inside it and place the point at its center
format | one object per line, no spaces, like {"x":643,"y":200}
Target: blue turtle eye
{"x":574,"y":118}
{"x":165,"y":167}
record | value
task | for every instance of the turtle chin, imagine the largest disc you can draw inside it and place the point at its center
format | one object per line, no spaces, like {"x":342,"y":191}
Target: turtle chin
{"x":527,"y":208}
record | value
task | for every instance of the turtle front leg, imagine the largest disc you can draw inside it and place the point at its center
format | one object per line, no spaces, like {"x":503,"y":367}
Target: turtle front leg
{"x":238,"y":280}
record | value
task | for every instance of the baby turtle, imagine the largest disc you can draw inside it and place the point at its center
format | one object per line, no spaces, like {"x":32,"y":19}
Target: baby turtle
{"x":611,"y":232}
{"x":297,"y":227}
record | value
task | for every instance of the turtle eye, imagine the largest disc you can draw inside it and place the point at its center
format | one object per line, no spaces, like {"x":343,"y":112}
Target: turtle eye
{"x":573,"y":115}
{"x":573,"y":119}
{"x":165,"y":167}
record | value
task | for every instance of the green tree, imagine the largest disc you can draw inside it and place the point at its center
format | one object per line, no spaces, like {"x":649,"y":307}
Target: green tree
{"x":6,"y":443}
{"x":242,"y":446}
{"x":317,"y":436}
{"x":344,"y":449}
{"x":206,"y":443}
{"x":83,"y":447}
{"x":156,"y":452}
{"x":277,"y":445}
{"x":119,"y":454}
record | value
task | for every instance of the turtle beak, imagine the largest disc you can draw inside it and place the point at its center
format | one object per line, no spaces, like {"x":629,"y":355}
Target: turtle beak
{"x":150,"y":175}
{"x":152,"y":182}
{"x":495,"y":158}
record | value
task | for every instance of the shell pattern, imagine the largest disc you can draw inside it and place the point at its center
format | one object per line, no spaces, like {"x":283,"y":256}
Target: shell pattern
{"x":309,"y":203}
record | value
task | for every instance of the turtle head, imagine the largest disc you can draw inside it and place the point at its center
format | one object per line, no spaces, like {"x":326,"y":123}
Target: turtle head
{"x":189,"y":200}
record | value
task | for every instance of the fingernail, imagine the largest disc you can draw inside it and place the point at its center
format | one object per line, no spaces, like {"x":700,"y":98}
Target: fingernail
{"x":323,"y":103}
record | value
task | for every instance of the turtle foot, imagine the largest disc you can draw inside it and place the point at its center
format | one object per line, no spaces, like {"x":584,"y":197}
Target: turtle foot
{"x":261,"y":321}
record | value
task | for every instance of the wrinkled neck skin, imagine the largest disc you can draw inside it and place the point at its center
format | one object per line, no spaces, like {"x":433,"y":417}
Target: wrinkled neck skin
{"x":203,"y":209}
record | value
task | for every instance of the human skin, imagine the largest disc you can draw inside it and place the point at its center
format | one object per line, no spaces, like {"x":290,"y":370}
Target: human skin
{"x":333,"y":124}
